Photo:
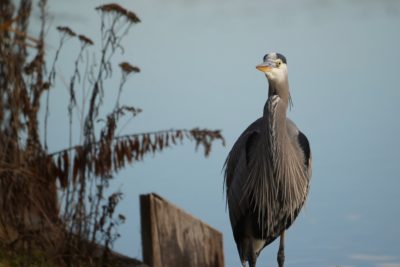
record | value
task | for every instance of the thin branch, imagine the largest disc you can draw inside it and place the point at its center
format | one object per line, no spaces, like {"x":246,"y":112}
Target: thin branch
{"x":126,"y":136}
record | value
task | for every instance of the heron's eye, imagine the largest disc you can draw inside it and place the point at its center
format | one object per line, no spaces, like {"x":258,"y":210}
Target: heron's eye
{"x":278,"y":63}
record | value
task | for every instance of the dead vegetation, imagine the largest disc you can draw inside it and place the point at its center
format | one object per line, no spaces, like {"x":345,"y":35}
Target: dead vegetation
{"x":56,"y":201}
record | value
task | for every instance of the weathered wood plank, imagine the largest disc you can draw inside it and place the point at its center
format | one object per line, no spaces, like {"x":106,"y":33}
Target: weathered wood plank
{"x":173,"y":238}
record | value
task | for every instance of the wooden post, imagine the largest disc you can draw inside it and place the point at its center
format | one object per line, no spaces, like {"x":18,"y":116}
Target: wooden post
{"x":173,"y":238}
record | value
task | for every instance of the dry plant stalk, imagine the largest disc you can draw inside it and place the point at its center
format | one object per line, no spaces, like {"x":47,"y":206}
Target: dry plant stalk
{"x":32,"y":214}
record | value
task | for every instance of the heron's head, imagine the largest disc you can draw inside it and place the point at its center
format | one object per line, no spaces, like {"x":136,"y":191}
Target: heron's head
{"x":274,"y":67}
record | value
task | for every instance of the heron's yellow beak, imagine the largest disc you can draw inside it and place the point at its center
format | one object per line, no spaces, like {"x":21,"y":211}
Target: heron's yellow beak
{"x":266,"y":66}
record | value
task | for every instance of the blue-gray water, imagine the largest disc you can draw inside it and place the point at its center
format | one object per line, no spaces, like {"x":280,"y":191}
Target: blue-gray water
{"x":198,"y":69}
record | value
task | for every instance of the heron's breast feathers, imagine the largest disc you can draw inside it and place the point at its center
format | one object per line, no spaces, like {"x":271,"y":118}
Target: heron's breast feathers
{"x":277,"y":181}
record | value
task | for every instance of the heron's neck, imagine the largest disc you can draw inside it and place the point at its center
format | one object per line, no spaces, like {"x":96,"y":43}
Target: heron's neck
{"x":281,"y":89}
{"x":275,"y":114}
{"x":277,"y":102}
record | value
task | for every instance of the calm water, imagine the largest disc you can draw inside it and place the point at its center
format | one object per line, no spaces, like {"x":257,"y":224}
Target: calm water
{"x":197,"y":60}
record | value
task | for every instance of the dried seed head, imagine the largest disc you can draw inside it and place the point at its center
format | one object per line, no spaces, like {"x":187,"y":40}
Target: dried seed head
{"x":117,"y":9}
{"x":46,"y":86}
{"x":28,"y":70}
{"x":128,"y":68}
{"x":66,"y":30}
{"x":85,"y":40}
{"x":132,"y":17}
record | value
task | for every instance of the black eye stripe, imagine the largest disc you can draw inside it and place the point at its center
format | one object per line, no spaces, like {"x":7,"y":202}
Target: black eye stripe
{"x":281,"y":57}
{"x":278,"y":56}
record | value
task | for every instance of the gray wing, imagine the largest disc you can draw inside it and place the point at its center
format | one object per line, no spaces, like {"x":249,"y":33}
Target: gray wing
{"x":303,"y":151}
{"x":236,"y":173}
{"x":238,"y":156}
{"x":300,"y":141}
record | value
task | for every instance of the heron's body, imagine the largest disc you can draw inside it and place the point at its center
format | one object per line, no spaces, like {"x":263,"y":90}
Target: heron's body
{"x":267,"y":172}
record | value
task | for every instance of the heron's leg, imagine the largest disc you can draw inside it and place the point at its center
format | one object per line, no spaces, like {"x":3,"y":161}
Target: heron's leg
{"x":252,"y":258}
{"x":281,"y":251}
{"x":252,"y":261}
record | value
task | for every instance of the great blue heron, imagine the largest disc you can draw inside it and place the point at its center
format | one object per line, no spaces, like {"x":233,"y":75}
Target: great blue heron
{"x":268,"y":170}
